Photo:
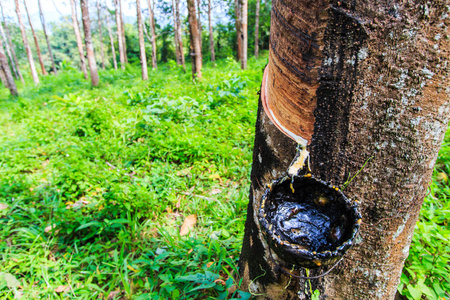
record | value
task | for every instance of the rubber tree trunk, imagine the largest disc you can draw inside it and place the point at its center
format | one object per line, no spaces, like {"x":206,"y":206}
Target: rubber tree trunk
{"x":36,"y":42}
{"x":258,"y":4}
{"x":34,"y":73}
{"x":99,"y":22}
{"x":119,"y":35}
{"x":238,"y":23}
{"x":195,"y":48}
{"x":141,"y":41}
{"x":368,"y":91}
{"x":211,"y":36}
{"x":124,"y":40}
{"x":49,"y":48}
{"x":199,"y":22}
{"x":10,"y":84}
{"x":76,"y":29}
{"x":10,"y":51}
{"x":111,"y":39}
{"x":175,"y":33}
{"x":180,"y":49}
{"x":88,"y":41}
{"x":244,"y":33}
{"x":153,"y":34}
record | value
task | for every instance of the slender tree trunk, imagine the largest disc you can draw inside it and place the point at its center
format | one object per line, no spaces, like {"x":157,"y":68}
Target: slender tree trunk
{"x":199,"y":27}
{"x":88,"y":41}
{"x":141,"y":41}
{"x":26,"y":45}
{"x":244,"y":34}
{"x":10,"y":84}
{"x":195,"y":41}
{"x":152,"y":31}
{"x":238,"y":13}
{"x":179,"y":34}
{"x":10,"y":47}
{"x":111,"y":39}
{"x":38,"y":49}
{"x":175,"y":33}
{"x":257,"y":28}
{"x":8,"y":51}
{"x":46,"y":38}
{"x":99,"y":22}
{"x":368,"y":102}
{"x":3,"y":77}
{"x":76,"y":29}
{"x":119,"y":35}
{"x":124,"y":40}
{"x":211,"y":36}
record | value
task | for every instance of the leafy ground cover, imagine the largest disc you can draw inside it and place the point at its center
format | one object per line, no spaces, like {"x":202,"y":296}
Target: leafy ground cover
{"x":95,"y":184}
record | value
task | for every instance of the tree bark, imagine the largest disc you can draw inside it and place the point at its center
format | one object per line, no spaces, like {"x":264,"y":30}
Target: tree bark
{"x":88,"y":41}
{"x":238,"y":13}
{"x":369,"y":100}
{"x":258,"y":3}
{"x":180,"y":49}
{"x":196,"y":57}
{"x":124,"y":40}
{"x":10,"y":49}
{"x":111,"y":39}
{"x":119,"y":35}
{"x":38,"y":49}
{"x":76,"y":29}
{"x":211,"y":36}
{"x":141,"y":41}
{"x":152,"y":31}
{"x":175,"y":33}
{"x":46,"y":38}
{"x":244,"y":34}
{"x":10,"y":84}
{"x":99,"y":22}
{"x":199,"y":27}
{"x":26,"y":45}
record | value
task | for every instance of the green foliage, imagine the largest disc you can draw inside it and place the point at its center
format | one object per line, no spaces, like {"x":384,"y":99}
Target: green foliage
{"x":425,"y":275}
{"x":95,"y":183}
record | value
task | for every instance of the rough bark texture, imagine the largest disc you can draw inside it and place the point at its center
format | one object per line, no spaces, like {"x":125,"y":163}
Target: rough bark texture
{"x":99,"y":22}
{"x":199,"y":22}
{"x":175,"y":34}
{"x":238,"y":13}
{"x":124,"y":40}
{"x":10,"y":50}
{"x":141,"y":41}
{"x":119,"y":35}
{"x":195,"y":49}
{"x":10,"y":84}
{"x":26,"y":45}
{"x":381,"y":92}
{"x":76,"y":29}
{"x":258,"y":4}
{"x":41,"y":15}
{"x":111,"y":39}
{"x":244,"y":33}
{"x":211,"y":36}
{"x":88,"y":41}
{"x":38,"y":49}
{"x":153,"y":34}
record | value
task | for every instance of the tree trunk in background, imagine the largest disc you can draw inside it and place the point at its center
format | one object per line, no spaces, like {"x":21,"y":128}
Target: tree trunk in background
{"x":8,"y":50}
{"x":363,"y":91}
{"x":199,"y":27}
{"x":257,"y":28}
{"x":196,"y":57}
{"x":175,"y":33}
{"x":76,"y":29}
{"x":111,"y":39}
{"x":3,"y":77}
{"x":211,"y":36}
{"x":38,"y":49}
{"x":34,"y":73}
{"x":244,"y":33}
{"x":179,"y":35}
{"x":88,"y":41}
{"x":152,"y":31}
{"x":141,"y":41}
{"x":238,"y":13}
{"x":46,"y":38}
{"x":10,"y":84}
{"x":119,"y":35}
{"x":124,"y":40}
{"x":99,"y":22}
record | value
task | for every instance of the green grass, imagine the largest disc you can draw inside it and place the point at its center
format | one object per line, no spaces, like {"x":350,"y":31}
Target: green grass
{"x":96,"y":182}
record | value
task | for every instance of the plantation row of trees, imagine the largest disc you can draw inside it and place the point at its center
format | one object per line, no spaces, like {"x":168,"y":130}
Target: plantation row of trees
{"x":194,"y":31}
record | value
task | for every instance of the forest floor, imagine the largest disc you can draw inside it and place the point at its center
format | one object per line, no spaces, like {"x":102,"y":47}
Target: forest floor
{"x":95,"y":184}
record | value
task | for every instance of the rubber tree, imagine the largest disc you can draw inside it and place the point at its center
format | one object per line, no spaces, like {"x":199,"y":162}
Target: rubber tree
{"x":36,"y":42}
{"x":100,"y":34}
{"x":365,"y":86}
{"x":44,"y":27}
{"x":5,"y":69}
{"x":211,"y":36}
{"x":258,"y":4}
{"x":195,"y":48}
{"x":122,"y":53}
{"x":143,"y":57}
{"x":88,"y":41}
{"x":151,"y":19}
{"x":76,"y":30}
{"x":178,"y":34}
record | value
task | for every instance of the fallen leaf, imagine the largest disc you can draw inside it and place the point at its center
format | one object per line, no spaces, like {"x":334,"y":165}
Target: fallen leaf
{"x":169,"y":210}
{"x":188,"y":224}
{"x":62,"y":289}
{"x":215,"y":176}
{"x":112,"y":295}
{"x":441,"y":176}
{"x":3,"y":206}
{"x":220,"y":281}
{"x":49,"y":228}
{"x":215,"y":191}
{"x":209,"y":264}
{"x":190,"y":251}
